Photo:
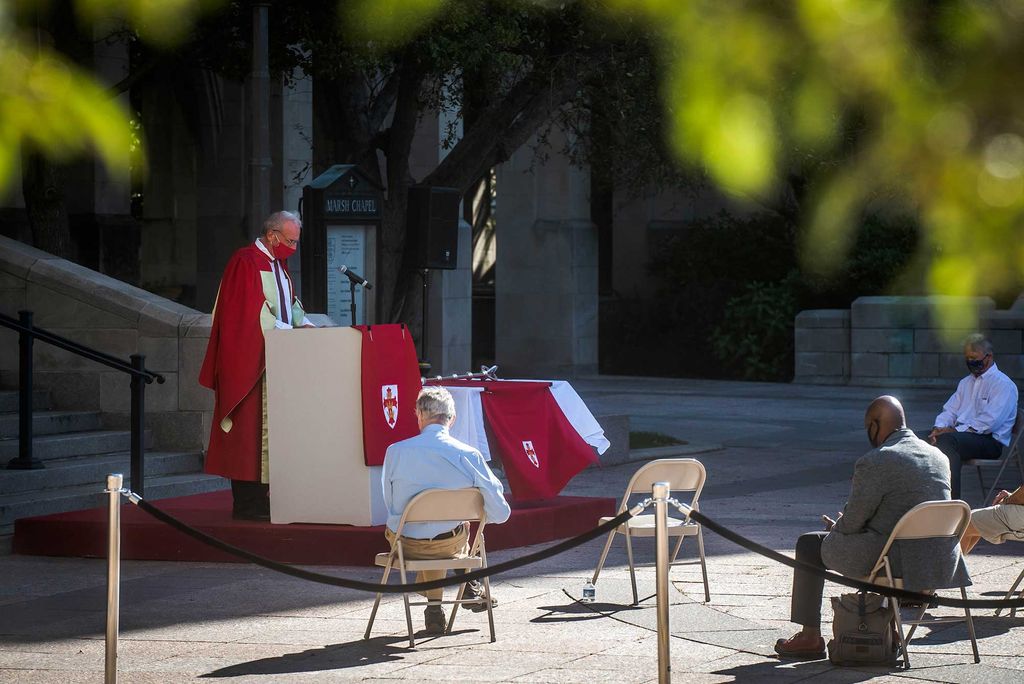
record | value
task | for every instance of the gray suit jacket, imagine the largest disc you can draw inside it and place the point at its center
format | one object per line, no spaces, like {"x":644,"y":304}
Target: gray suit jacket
{"x":888,"y":482}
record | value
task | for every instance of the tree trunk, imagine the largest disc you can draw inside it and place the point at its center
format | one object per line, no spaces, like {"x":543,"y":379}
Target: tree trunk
{"x":43,"y":188}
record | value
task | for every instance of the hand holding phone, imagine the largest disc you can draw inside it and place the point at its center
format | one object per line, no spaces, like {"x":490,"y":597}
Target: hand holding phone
{"x":828,"y":522}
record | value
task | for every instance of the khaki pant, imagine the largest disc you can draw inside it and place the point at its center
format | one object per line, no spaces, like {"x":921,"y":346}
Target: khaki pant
{"x":429,"y":549}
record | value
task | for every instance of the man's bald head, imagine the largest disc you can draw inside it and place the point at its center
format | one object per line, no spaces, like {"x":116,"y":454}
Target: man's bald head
{"x":883,"y":417}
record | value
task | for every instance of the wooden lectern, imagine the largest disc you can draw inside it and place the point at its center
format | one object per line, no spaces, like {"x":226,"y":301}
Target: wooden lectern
{"x":315,"y":430}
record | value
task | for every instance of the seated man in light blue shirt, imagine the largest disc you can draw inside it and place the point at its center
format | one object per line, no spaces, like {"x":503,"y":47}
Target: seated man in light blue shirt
{"x":435,"y":460}
{"x":977,"y":420}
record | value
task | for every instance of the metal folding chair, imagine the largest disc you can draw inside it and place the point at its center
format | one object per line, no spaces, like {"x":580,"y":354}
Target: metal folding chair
{"x":685,"y":475}
{"x":435,"y":505}
{"x":945,"y":520}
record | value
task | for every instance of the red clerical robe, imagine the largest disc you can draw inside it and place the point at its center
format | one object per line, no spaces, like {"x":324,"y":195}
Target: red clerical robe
{"x":247,"y":306}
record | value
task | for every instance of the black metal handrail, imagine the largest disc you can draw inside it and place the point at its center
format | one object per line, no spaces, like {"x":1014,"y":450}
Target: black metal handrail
{"x":135,"y":367}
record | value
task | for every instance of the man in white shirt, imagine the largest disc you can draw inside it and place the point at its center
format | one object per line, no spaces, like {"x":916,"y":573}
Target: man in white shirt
{"x":436,"y":460}
{"x":977,"y":420}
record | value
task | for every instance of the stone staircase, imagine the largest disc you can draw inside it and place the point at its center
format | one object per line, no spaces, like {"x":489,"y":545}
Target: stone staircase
{"x":79,"y":454}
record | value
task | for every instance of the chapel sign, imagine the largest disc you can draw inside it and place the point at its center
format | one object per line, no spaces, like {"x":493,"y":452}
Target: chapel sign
{"x":341,"y":211}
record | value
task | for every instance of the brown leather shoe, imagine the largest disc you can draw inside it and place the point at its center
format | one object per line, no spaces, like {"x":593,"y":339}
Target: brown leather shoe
{"x":801,"y":647}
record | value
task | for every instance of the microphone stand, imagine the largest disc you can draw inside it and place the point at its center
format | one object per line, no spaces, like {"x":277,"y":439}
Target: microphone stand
{"x":352,"y":299}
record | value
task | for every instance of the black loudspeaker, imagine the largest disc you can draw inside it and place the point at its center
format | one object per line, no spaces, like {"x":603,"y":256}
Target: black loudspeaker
{"x":433,"y":223}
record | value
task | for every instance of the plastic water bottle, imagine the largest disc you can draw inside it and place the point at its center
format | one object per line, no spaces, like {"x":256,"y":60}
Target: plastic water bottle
{"x":589,"y":592}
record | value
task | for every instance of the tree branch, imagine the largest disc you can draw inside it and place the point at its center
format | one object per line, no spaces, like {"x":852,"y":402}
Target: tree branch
{"x":505,"y":126}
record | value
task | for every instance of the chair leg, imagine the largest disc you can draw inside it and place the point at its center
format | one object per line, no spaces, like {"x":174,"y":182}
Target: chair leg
{"x":373,"y":615}
{"x":376,"y":603}
{"x":981,"y":485}
{"x":703,"y":564}
{"x":455,"y":608}
{"x":970,"y":626}
{"x":917,"y":618}
{"x":995,"y":483}
{"x":490,"y":610}
{"x":675,"y":552}
{"x":632,"y":572}
{"x":408,"y":621}
{"x":604,"y":556}
{"x":1009,"y":594}
{"x":408,"y":612}
{"x":899,"y":633}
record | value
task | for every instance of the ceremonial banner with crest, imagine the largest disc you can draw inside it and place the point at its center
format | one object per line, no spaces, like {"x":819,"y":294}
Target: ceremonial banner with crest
{"x":390,"y":383}
{"x":540,"y":450}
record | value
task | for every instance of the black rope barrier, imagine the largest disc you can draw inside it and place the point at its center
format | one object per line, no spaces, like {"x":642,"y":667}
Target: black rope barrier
{"x":561,"y":547}
{"x":373,"y":587}
{"x":901,"y":594}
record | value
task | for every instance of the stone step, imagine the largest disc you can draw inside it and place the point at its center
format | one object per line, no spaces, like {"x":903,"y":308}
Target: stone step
{"x":51,"y":422}
{"x":73,"y":472}
{"x":30,"y":504}
{"x":9,"y":401}
{"x":73,"y":444}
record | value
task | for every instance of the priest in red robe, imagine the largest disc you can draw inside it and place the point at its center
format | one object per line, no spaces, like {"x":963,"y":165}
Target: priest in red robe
{"x":256,"y":294}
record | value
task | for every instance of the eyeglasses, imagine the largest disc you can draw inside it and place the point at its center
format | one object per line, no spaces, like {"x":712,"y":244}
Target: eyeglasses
{"x":290,"y":243}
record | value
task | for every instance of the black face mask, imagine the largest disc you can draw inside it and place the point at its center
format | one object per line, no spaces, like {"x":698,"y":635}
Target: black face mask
{"x":975,"y":366}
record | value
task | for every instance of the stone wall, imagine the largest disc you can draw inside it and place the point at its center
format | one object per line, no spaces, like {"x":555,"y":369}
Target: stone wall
{"x":896,"y":341}
{"x":118,"y":319}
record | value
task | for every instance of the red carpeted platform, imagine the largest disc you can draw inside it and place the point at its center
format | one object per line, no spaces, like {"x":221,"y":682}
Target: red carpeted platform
{"x":84,"y":533}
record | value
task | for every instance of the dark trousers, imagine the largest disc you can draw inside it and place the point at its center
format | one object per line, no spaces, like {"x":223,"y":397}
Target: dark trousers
{"x":963,"y":446}
{"x":250,"y":498}
{"x":808,"y":589}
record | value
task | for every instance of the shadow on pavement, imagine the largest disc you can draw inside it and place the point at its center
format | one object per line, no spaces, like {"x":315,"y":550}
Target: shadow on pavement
{"x":577,"y":612}
{"x":776,"y":670}
{"x":353,"y":654}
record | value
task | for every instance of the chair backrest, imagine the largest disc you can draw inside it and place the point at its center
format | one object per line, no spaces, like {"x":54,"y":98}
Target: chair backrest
{"x":1015,"y":433}
{"x":682,"y":475}
{"x":444,"y":504}
{"x":931,"y":519}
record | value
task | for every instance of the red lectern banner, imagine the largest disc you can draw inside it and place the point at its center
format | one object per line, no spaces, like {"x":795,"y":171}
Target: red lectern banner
{"x":539,"y":449}
{"x":390,"y":383}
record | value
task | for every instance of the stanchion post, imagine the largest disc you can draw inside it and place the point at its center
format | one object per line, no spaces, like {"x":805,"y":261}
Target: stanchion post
{"x":114,"y":485}
{"x":659,"y":493}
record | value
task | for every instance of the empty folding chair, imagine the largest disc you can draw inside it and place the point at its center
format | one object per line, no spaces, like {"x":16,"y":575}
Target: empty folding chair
{"x":684,"y":475}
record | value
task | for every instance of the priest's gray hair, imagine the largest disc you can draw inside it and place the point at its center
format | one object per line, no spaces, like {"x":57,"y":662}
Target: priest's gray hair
{"x":435,"y":402}
{"x":277,"y":220}
{"x":978,"y":342}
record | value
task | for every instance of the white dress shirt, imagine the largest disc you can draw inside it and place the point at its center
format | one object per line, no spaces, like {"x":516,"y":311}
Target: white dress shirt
{"x":986,"y":404}
{"x":284,"y":291}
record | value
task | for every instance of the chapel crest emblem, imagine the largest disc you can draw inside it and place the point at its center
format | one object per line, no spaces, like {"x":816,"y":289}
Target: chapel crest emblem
{"x":531,"y":454}
{"x":389,"y":402}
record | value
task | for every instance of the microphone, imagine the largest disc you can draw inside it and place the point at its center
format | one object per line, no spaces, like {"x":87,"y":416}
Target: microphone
{"x":354,"y":277}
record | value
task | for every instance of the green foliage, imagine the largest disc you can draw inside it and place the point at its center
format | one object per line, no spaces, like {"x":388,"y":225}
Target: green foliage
{"x":728,"y":289}
{"x":755,"y":338}
{"x":56,"y":107}
{"x":754,"y":90}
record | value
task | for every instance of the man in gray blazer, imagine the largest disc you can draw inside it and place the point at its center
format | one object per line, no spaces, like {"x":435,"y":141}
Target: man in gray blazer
{"x":900,"y":472}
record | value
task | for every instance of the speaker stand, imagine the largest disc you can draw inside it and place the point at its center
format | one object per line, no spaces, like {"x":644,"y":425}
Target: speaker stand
{"x":424,"y":364}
